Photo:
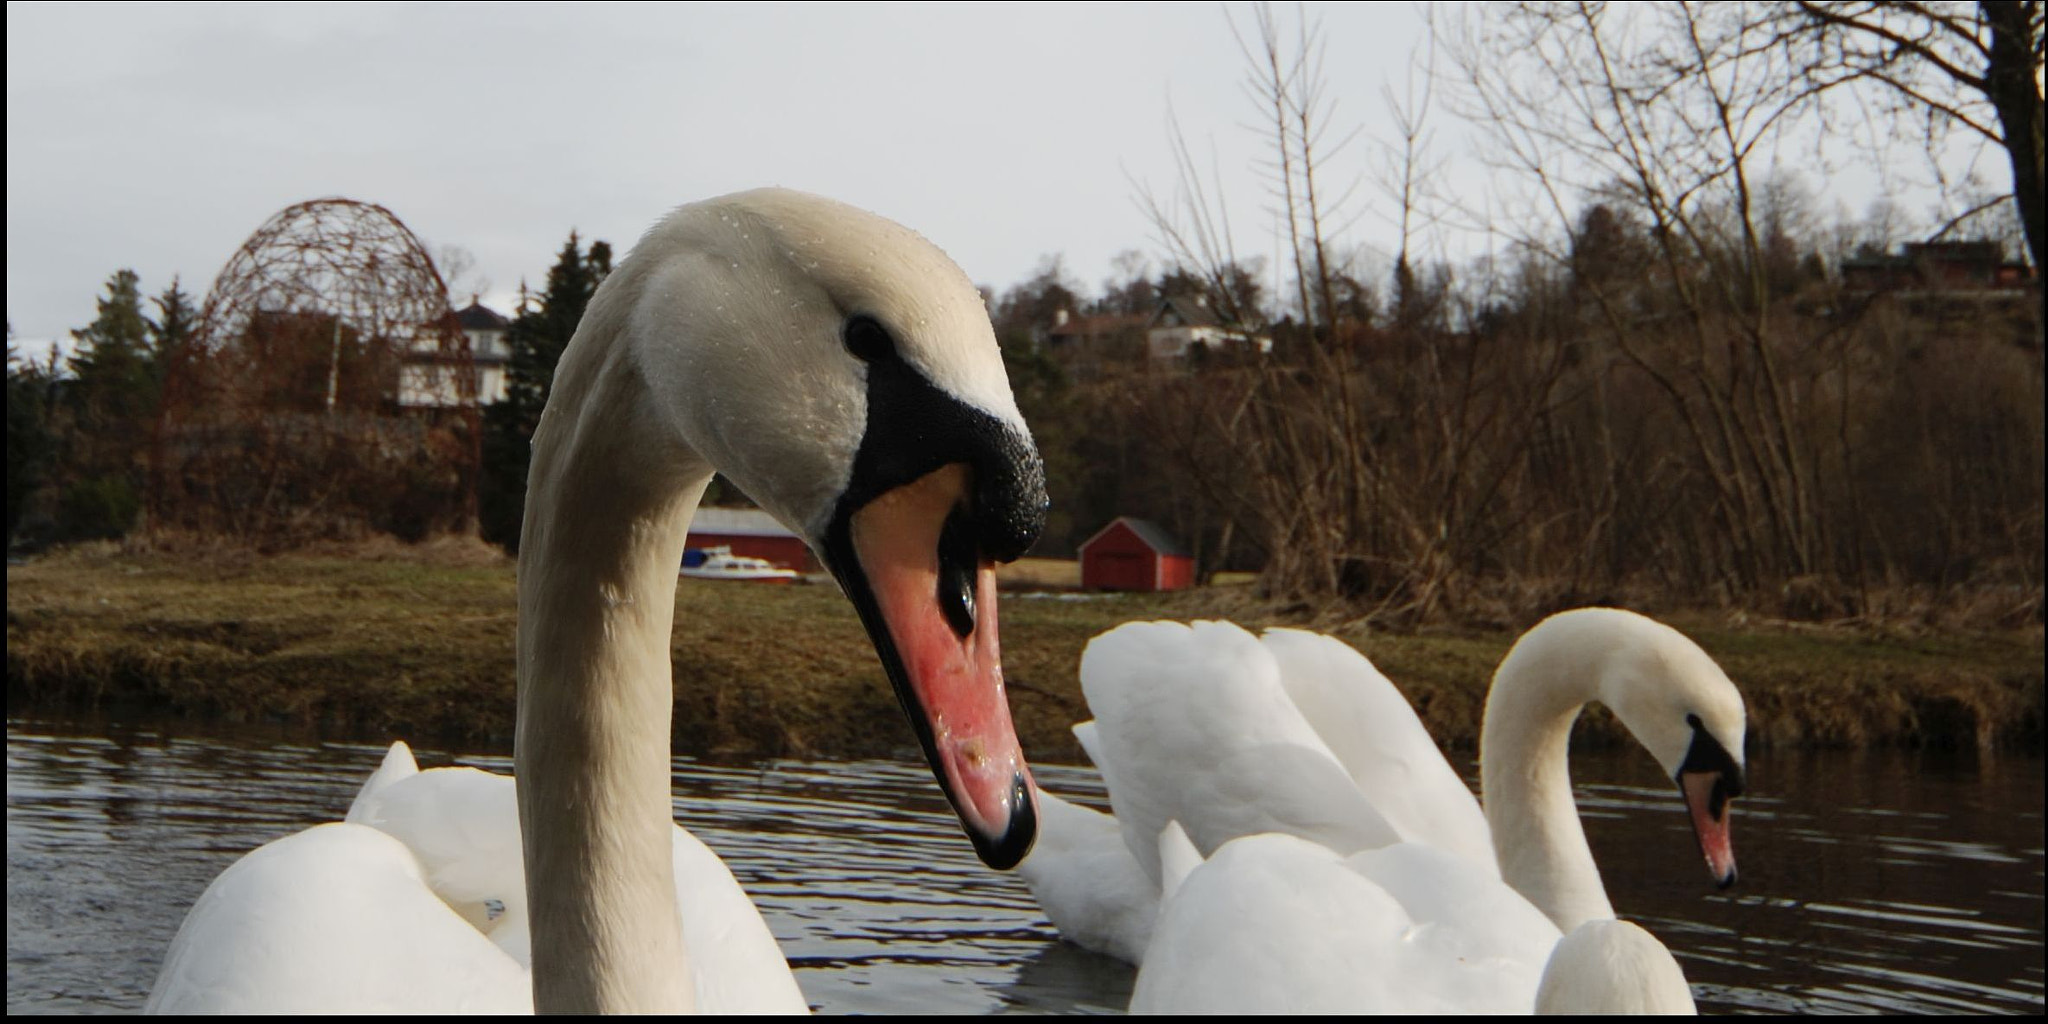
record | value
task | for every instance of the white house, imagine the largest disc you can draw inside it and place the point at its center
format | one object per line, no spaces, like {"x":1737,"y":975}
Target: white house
{"x":427,"y":378}
{"x":1185,"y":322}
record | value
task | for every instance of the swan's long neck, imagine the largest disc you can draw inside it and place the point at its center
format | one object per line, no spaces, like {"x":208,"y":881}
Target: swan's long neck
{"x":1527,"y":791}
{"x":606,"y":516}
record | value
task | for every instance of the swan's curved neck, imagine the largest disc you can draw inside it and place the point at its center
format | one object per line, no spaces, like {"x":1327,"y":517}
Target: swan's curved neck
{"x":606,"y":515}
{"x":1526,"y":787}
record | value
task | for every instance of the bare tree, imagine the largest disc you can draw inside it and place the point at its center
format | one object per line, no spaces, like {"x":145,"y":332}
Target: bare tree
{"x":1946,"y":67}
{"x":1369,"y":462}
{"x":1654,"y":111}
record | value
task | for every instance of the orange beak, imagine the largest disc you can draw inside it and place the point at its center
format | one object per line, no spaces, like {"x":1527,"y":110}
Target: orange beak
{"x":928,"y":599}
{"x":1707,"y":802}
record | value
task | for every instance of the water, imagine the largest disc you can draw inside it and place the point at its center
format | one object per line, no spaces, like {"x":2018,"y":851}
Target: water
{"x":1870,"y":882}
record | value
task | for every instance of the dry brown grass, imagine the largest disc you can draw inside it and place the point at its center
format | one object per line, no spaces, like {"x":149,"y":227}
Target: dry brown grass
{"x":381,"y":640}
{"x":1040,"y":574}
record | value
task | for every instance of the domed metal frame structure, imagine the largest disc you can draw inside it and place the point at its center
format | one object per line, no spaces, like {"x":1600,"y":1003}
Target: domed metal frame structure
{"x":284,"y":418}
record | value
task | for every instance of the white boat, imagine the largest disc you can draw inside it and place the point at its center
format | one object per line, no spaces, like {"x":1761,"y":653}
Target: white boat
{"x":719,"y":563}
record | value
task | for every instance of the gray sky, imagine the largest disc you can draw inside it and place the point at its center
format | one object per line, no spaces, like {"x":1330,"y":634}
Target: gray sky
{"x":158,"y":138}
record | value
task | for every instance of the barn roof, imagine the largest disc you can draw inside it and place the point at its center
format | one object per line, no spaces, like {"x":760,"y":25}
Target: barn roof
{"x":1154,"y":536}
{"x":738,"y":522}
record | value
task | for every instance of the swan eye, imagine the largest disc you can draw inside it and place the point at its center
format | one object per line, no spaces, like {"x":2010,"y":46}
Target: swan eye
{"x":867,"y":339}
{"x":959,"y":558}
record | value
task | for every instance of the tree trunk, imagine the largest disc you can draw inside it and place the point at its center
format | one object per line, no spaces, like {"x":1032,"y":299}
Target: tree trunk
{"x":2010,"y":82}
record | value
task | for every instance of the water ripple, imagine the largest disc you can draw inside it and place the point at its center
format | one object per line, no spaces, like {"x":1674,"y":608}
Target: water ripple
{"x":1879,"y":883}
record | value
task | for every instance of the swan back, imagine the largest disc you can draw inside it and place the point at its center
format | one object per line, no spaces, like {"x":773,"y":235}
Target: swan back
{"x":1278,"y":924}
{"x":1193,"y":725}
{"x":1612,"y":967}
{"x":462,"y":827}
{"x":335,"y":916}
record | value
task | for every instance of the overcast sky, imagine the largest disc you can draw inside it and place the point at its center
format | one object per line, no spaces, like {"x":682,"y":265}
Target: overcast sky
{"x":158,"y":138}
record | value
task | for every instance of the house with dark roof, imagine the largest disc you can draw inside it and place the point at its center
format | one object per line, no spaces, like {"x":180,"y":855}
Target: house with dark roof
{"x":1069,"y":331}
{"x":1135,"y":554}
{"x":1928,"y":267}
{"x":1184,"y":323}
{"x":426,"y":377}
{"x":1086,"y":344}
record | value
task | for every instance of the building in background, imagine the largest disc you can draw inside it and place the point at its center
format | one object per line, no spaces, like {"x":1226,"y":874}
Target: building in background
{"x":751,"y":532}
{"x":1135,"y":554}
{"x":426,"y":377}
{"x":1184,"y":324}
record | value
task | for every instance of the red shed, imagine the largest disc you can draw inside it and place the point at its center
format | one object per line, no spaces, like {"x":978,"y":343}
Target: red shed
{"x":750,"y":531}
{"x":1135,"y":554}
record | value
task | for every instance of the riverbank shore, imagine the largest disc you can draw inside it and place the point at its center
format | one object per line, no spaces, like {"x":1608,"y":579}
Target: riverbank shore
{"x":417,"y":643}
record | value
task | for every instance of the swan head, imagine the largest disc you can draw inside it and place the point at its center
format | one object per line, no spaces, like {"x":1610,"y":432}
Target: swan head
{"x":1682,"y":707}
{"x":842,"y":371}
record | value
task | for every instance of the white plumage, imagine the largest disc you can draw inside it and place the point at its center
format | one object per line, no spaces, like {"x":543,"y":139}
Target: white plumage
{"x":416,"y":903}
{"x":1349,"y":867}
{"x":720,"y":344}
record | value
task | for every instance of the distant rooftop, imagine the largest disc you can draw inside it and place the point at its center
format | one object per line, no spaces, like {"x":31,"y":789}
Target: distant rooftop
{"x":479,"y":317}
{"x":1185,"y":310}
{"x":1153,"y":534}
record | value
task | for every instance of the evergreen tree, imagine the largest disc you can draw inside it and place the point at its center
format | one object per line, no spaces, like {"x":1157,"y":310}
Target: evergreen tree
{"x":28,"y":432}
{"x":175,"y":321}
{"x":114,"y":359}
{"x":536,"y":338}
{"x":112,"y":403}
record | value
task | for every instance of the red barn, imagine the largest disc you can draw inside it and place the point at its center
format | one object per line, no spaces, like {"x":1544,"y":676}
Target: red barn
{"x":750,"y":531}
{"x":1135,"y":554}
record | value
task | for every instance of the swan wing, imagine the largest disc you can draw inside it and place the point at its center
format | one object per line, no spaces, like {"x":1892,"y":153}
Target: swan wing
{"x":398,"y":765}
{"x":1278,"y":924}
{"x":1193,"y":725}
{"x":337,"y":918}
{"x":463,"y":826}
{"x":1613,"y":967}
{"x":738,"y":966}
{"x":1262,"y":927}
{"x":1178,"y":859}
{"x":1277,"y":787}
{"x":1087,"y":882}
{"x":1471,"y":918}
{"x":1375,"y":734}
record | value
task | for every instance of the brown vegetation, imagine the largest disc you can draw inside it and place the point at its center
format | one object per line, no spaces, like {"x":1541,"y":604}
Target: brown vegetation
{"x":1662,"y":390}
{"x":388,"y":641}
{"x":282,"y":417}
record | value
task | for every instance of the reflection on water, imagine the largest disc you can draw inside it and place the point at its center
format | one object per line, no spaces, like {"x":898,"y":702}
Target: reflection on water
{"x":1874,"y":881}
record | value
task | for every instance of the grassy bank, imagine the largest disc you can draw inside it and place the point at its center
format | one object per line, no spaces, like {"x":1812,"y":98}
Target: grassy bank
{"x":417,"y":642}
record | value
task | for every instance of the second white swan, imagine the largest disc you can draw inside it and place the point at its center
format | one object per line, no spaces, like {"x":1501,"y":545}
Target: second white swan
{"x":1297,"y":734}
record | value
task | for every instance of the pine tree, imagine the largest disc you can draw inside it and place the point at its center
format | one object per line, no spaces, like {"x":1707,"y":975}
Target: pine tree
{"x":175,"y":321}
{"x":536,"y":338}
{"x":28,"y":432}
{"x":112,"y":403}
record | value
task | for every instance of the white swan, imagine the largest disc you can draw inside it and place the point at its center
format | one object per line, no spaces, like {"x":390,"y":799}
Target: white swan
{"x":842,"y":371}
{"x":457,"y":849}
{"x":1206,"y":725}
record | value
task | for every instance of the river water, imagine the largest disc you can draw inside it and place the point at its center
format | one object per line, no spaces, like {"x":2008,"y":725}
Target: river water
{"x":1875,"y":881}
